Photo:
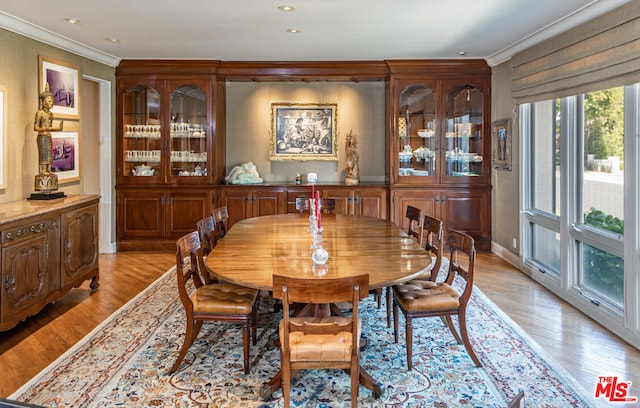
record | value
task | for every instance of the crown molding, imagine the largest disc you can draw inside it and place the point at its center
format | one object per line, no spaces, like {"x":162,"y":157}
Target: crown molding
{"x":587,"y":13}
{"x":24,"y":28}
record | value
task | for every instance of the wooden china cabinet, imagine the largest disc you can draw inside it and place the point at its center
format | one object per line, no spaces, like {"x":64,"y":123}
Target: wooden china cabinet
{"x":170,"y":149}
{"x":440,"y":143}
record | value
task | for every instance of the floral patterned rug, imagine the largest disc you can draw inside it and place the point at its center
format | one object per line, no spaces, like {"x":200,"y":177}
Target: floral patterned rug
{"x":124,"y":362}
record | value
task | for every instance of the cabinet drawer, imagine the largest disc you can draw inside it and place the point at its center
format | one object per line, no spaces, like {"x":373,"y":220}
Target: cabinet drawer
{"x":18,"y":234}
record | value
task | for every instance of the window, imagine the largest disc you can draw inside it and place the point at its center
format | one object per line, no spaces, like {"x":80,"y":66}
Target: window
{"x":576,"y":196}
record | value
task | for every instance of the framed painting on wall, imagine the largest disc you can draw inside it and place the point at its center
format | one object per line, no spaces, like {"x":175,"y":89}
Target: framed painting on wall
{"x":501,"y":142}
{"x":303,"y":131}
{"x":66,"y":163}
{"x":63,"y":80}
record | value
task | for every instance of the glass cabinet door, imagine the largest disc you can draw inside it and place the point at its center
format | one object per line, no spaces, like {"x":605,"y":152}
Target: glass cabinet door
{"x":142,"y":132}
{"x":188,"y":132}
{"x":464,"y":133}
{"x":416,"y":132}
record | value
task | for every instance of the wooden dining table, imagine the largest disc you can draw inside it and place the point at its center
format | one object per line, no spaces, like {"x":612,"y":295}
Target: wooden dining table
{"x":256,"y":248}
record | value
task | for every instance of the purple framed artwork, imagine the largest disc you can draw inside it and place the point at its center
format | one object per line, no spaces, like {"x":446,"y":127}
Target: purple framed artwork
{"x":63,"y":80}
{"x":65,"y":156}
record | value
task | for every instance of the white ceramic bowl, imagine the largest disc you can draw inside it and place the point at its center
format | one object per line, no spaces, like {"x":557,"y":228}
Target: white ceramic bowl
{"x":426,"y":133}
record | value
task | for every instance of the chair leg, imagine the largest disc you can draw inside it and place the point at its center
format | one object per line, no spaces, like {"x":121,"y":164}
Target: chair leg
{"x":285,"y":370}
{"x":188,"y":340}
{"x":409,"y":341}
{"x":447,"y":320}
{"x":395,"y":322}
{"x":378,"y":296}
{"x":355,"y":382}
{"x":246,"y":338}
{"x":389,"y":305}
{"x":254,"y":323}
{"x":465,"y":338}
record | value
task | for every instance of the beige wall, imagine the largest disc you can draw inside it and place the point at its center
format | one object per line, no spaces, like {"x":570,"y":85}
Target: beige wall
{"x":19,"y":74}
{"x":506,"y":184}
{"x":361,"y":108}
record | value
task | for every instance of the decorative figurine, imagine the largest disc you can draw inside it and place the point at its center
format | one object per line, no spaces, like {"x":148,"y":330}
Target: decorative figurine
{"x":246,"y":173}
{"x":46,"y":182}
{"x":353,"y":168}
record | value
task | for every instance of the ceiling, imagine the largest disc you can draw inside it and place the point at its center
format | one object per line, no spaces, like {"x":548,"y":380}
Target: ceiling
{"x":330,"y":30}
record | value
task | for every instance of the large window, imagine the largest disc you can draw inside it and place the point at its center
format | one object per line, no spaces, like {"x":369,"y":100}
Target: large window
{"x":576,"y":195}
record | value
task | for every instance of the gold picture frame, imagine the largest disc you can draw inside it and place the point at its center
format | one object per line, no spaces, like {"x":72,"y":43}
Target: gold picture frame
{"x":501,"y":144}
{"x":304,"y":131}
{"x":64,"y":84}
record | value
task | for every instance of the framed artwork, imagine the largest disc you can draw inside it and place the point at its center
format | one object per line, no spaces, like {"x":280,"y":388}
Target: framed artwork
{"x":303,"y":131}
{"x":63,"y":80}
{"x":3,"y":133}
{"x":66,"y":163}
{"x":501,"y":144}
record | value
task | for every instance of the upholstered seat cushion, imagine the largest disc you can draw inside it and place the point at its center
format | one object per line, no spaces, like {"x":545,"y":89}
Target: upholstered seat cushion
{"x":321,"y":347}
{"x":225,"y":298}
{"x":421,"y":295}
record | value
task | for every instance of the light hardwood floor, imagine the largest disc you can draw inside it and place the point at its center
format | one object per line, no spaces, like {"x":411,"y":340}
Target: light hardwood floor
{"x":583,"y":347}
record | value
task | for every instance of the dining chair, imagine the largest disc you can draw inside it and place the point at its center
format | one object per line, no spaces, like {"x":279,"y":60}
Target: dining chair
{"x":426,"y":298}
{"x":221,"y":217}
{"x":214,"y":302}
{"x":432,"y":242}
{"x":326,"y":205}
{"x":316,"y":342}
{"x":413,"y":215}
{"x":207,"y":234}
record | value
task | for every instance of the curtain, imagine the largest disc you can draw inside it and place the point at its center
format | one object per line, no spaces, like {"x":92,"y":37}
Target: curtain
{"x":600,"y":54}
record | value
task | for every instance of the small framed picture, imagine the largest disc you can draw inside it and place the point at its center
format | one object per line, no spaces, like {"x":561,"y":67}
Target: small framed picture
{"x":501,"y":144}
{"x":66,"y":162}
{"x":63,"y":80}
{"x":303,"y":131}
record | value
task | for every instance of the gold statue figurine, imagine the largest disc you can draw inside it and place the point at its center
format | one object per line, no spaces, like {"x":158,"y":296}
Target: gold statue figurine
{"x":46,"y":181}
{"x":353,"y":168}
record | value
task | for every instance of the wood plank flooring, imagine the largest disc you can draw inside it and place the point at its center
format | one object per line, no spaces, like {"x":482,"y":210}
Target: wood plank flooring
{"x":583,"y":347}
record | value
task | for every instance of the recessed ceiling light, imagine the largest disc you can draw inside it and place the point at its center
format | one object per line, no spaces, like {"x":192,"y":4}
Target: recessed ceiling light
{"x":286,"y":8}
{"x":293,"y":30}
{"x":462,"y":53}
{"x":72,"y":20}
{"x":113,"y":40}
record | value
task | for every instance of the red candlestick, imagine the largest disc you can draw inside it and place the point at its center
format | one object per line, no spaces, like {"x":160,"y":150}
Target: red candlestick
{"x":319,"y":216}
{"x":318,"y":208}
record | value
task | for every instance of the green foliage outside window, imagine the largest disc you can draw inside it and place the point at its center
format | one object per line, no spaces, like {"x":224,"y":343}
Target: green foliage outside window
{"x":604,"y":271}
{"x":604,"y":123}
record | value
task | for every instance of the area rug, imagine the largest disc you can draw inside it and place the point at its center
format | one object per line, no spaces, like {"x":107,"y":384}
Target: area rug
{"x":124,"y":362}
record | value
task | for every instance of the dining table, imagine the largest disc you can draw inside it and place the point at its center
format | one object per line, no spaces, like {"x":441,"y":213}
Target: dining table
{"x":255,"y":248}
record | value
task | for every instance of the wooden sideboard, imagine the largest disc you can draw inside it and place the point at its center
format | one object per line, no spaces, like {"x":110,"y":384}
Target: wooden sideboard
{"x":48,"y":248}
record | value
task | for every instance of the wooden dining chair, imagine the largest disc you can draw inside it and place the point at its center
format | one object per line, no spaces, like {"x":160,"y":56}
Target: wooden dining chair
{"x":221,"y":217}
{"x":206,"y":231}
{"x":426,"y":298}
{"x":432,"y":242}
{"x":214,"y":302}
{"x":326,"y":205}
{"x":320,"y":342}
{"x":413,"y":215}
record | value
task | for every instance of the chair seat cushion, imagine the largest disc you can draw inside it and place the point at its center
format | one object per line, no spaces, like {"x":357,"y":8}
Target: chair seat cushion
{"x":223,"y":298}
{"x":421,"y":295}
{"x":321,"y":347}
